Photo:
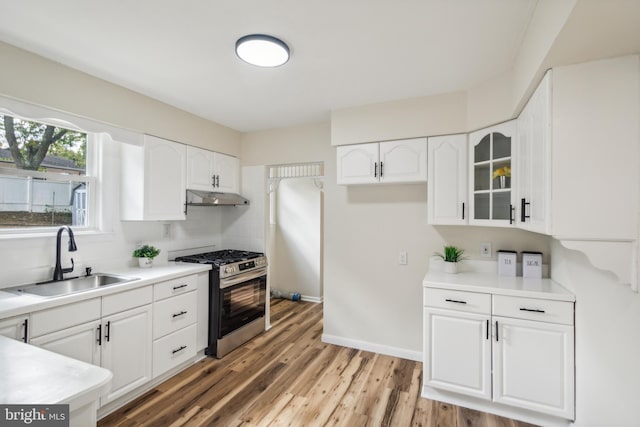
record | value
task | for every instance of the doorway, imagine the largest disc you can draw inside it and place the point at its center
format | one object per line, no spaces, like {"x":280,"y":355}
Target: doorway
{"x":294,"y":240}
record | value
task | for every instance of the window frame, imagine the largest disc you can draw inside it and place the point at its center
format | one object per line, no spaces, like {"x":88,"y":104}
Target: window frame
{"x":90,"y":179}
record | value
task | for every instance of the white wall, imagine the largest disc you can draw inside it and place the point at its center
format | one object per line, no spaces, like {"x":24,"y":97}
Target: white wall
{"x":36,"y":80}
{"x":607,"y":341}
{"x":407,"y":118}
{"x":296,"y":265}
{"x":243,"y":227}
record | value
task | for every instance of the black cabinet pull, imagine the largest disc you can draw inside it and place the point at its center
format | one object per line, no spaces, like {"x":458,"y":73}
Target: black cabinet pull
{"x":487,"y":328}
{"x":25,"y":324}
{"x":462,"y":210}
{"x":511,"y":209}
{"x":532,"y":310}
{"x":218,"y":181}
{"x":182,"y":347}
{"x":381,"y":170}
{"x":375,"y":170}
{"x":456,"y":301}
{"x":179,"y":314}
{"x":523,"y":210}
{"x":107,"y":331}
{"x":213,"y":180}
{"x":175,"y":288}
{"x":496,"y":331}
{"x":99,"y":330}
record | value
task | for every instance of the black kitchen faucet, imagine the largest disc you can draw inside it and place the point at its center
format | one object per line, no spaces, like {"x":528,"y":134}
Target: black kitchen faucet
{"x":58,"y":272}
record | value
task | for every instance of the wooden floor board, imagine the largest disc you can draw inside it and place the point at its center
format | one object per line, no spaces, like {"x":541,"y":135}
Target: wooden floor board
{"x":288,"y":377}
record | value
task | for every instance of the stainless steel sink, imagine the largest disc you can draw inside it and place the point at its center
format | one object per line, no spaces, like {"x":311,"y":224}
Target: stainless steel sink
{"x":70,"y":286}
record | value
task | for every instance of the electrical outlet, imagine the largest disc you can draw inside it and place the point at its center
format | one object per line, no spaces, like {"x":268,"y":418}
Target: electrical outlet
{"x":485,"y":250}
{"x":402,"y":258}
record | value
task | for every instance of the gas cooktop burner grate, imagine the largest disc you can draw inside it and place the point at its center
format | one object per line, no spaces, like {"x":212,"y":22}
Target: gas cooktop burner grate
{"x":219,"y":258}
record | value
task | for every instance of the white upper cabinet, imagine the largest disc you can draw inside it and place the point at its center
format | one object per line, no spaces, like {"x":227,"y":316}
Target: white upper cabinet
{"x":447,"y":184}
{"x":491,"y":155}
{"x":358,"y":164}
{"x":227,"y":172}
{"x":534,"y":161}
{"x":401,"y":161}
{"x":210,"y":171}
{"x":153,"y":180}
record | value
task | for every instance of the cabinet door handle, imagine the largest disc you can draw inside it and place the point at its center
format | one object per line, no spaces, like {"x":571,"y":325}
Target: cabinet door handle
{"x":511,"y":211}
{"x":456,"y":301}
{"x":213,"y":180}
{"x":523,"y":211}
{"x":179,"y":314}
{"x":462,"y":210}
{"x":497,"y":331}
{"x":381,"y":170}
{"x":99,"y":330}
{"x":25,"y":336}
{"x":487,"y":329}
{"x":175,"y":288}
{"x":218,"y":181}
{"x":375,"y":170}
{"x":182,"y":347}
{"x":107,"y":331}
{"x":532,"y":310}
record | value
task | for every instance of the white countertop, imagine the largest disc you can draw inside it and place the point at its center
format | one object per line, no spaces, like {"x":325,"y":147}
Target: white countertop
{"x":499,"y":285}
{"x":31,"y":375}
{"x":14,"y":305}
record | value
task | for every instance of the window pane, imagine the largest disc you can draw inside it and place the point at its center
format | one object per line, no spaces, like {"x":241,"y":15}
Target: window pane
{"x":38,"y":164}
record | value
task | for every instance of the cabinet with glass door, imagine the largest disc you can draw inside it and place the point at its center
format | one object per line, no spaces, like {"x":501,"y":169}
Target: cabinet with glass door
{"x":492,"y":151}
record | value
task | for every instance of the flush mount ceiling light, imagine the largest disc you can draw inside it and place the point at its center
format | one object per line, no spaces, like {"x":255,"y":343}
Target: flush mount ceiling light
{"x":262,"y":50}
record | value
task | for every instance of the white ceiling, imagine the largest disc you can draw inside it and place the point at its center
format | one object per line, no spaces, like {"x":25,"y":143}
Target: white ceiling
{"x":344,"y":52}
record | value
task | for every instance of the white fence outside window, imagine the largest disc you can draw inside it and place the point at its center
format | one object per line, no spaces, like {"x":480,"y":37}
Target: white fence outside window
{"x":28,"y":194}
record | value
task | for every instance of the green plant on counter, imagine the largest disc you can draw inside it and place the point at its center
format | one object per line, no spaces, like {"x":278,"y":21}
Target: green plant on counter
{"x":146,"y":251}
{"x":451,"y":254}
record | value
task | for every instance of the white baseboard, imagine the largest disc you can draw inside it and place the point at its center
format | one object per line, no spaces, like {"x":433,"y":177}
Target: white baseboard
{"x":373,"y":347}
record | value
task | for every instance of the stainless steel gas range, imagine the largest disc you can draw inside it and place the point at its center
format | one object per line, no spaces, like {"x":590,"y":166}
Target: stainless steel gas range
{"x":237,"y":297}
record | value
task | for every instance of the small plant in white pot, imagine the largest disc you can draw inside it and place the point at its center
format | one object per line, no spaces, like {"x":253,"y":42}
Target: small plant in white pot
{"x":145,"y":255}
{"x":452,"y":256}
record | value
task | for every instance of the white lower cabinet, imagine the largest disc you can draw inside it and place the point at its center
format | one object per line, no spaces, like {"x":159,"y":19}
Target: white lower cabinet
{"x":80,"y":342}
{"x":174,"y":323}
{"x":114,"y":332}
{"x":15,"y":327}
{"x":126,"y":350}
{"x":512,"y":351}
{"x":462,"y":364}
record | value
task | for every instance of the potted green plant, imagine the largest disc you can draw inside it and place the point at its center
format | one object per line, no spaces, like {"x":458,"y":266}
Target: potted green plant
{"x":452,"y":256}
{"x":145,"y":255}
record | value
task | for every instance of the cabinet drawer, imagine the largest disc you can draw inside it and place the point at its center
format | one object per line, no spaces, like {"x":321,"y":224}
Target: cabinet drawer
{"x":175,"y":313}
{"x":174,"y":349}
{"x":126,"y":300}
{"x":65,"y":316}
{"x":471,"y":302}
{"x":175,"y":287}
{"x":533,"y":309}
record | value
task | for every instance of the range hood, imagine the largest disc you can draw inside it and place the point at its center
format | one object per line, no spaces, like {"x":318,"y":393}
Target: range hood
{"x":214,"y":198}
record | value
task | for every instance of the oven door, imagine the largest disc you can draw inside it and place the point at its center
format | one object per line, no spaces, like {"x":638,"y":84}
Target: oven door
{"x":242,"y":300}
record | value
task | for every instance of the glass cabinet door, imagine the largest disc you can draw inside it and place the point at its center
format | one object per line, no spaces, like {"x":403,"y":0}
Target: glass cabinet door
{"x":492,"y":154}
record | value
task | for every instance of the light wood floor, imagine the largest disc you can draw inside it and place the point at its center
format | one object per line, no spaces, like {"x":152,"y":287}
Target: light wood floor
{"x":288,"y":377}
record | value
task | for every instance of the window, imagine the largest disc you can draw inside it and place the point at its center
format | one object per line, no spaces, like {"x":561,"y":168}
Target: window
{"x":46,"y":175}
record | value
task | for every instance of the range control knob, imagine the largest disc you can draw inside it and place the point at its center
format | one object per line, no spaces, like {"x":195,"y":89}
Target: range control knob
{"x":228,"y":270}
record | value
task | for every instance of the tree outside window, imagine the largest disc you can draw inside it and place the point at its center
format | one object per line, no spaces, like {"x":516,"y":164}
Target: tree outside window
{"x":49,"y":196}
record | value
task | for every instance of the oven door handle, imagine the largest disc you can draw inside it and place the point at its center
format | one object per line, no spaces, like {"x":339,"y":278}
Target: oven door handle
{"x":225,"y":283}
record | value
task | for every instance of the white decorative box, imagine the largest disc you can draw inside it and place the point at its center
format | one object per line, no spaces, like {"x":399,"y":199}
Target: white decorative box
{"x":507,"y":263}
{"x":532,"y":264}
